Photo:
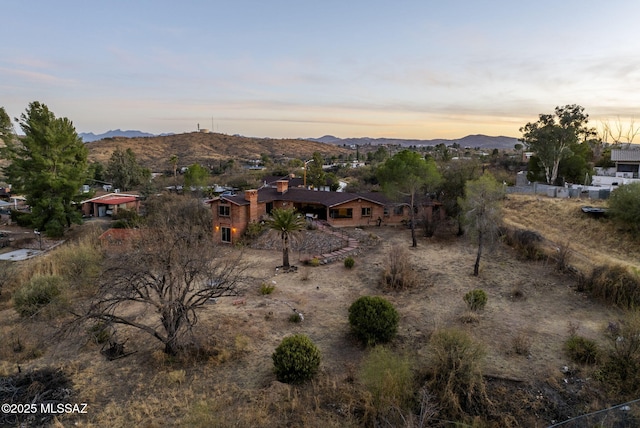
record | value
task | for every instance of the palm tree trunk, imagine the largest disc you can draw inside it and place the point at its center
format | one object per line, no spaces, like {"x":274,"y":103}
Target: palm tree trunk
{"x":285,"y":252}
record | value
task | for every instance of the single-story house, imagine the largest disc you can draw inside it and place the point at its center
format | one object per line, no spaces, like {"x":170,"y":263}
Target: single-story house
{"x":109,"y":204}
{"x":232,"y":214}
{"x":627,"y":162}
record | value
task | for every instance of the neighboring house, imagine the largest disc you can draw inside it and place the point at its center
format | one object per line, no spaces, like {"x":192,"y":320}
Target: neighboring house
{"x":109,"y":204}
{"x":627,"y":162}
{"x":232,"y":214}
{"x":626,"y":170}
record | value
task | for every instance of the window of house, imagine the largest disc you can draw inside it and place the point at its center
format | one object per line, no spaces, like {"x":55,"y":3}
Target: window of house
{"x":226,"y":233}
{"x":341,"y":213}
{"x":386,"y":211}
{"x":224,"y":210}
{"x":366,"y":212}
{"x":399,"y":210}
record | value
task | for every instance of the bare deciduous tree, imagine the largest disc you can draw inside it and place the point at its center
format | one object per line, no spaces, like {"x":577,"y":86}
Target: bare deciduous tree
{"x":618,"y":133}
{"x":166,"y":274}
{"x":482,"y":209}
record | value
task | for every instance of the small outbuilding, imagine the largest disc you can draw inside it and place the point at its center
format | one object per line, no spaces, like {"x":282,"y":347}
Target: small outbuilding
{"x":109,"y":204}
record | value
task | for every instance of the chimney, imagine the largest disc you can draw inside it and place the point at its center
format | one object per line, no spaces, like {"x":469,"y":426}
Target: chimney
{"x":282,"y":186}
{"x":252,"y":197}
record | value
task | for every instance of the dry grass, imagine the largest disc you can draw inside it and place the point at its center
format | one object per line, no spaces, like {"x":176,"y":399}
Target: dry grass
{"x":560,"y":221}
{"x":529,"y":302}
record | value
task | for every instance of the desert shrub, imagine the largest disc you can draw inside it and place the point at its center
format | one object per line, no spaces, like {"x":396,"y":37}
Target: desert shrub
{"x":389,"y":380}
{"x":315,"y":262}
{"x":476,"y":299}
{"x":620,"y":371}
{"x":455,"y":372}
{"x":562,"y":257}
{"x":613,"y":284}
{"x":39,"y":292}
{"x":624,"y":205}
{"x":100,"y":332}
{"x":581,"y":350}
{"x":525,"y":242}
{"x":399,"y":273}
{"x":349,"y":262}
{"x":267,"y":288}
{"x":469,"y":317}
{"x":79,"y":263}
{"x":22,"y":218}
{"x":295,"y":318}
{"x":521,"y":344}
{"x":254,"y":229}
{"x":129,"y":217}
{"x":296,"y":359}
{"x":373,"y":319}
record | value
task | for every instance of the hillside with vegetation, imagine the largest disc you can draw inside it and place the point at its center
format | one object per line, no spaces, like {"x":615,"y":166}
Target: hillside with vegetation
{"x":208,"y":149}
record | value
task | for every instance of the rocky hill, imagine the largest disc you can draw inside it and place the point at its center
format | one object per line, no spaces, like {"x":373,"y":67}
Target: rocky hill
{"x":208,"y":149}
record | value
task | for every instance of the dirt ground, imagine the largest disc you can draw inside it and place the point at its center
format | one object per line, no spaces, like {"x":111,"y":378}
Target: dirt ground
{"x":529,"y":299}
{"x":526,"y":300}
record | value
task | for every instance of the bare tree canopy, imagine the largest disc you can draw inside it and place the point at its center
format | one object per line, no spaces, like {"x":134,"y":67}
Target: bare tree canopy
{"x":166,"y":274}
{"x":483,"y":211}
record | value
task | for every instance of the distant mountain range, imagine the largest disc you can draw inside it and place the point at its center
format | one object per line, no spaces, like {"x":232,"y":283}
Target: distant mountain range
{"x":473,"y":141}
{"x":88,"y":137}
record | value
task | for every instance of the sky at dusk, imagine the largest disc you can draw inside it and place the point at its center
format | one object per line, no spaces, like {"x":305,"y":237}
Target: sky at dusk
{"x":404,"y":69}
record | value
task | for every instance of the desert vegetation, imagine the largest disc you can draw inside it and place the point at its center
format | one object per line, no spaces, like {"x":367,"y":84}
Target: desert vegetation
{"x":172,"y":329}
{"x":433,"y":367}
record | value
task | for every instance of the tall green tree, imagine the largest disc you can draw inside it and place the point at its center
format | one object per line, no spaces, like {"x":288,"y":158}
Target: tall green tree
{"x":6,"y":128}
{"x":123,"y":169}
{"x":48,"y":165}
{"x":482,"y":207}
{"x":286,"y":222}
{"x":551,"y":137}
{"x":407,"y":175}
{"x":314,"y":174}
{"x":196,"y":175}
{"x":454,"y":178}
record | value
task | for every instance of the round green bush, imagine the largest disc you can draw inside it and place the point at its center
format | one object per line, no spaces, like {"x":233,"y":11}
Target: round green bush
{"x":349,"y":262}
{"x":476,"y":299}
{"x":296,"y":359}
{"x":373,"y":319}
{"x":582,"y":350}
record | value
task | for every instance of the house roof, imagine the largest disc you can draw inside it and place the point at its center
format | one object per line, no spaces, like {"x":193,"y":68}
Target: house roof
{"x":628,"y":155}
{"x":113,"y":199}
{"x":270,"y":180}
{"x":301,"y":195}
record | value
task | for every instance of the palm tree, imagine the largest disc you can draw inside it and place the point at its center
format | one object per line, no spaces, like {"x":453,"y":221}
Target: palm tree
{"x":286,"y":222}
{"x":173,"y":160}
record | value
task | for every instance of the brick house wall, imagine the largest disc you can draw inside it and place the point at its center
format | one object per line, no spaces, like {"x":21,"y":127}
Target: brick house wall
{"x":231,"y":222}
